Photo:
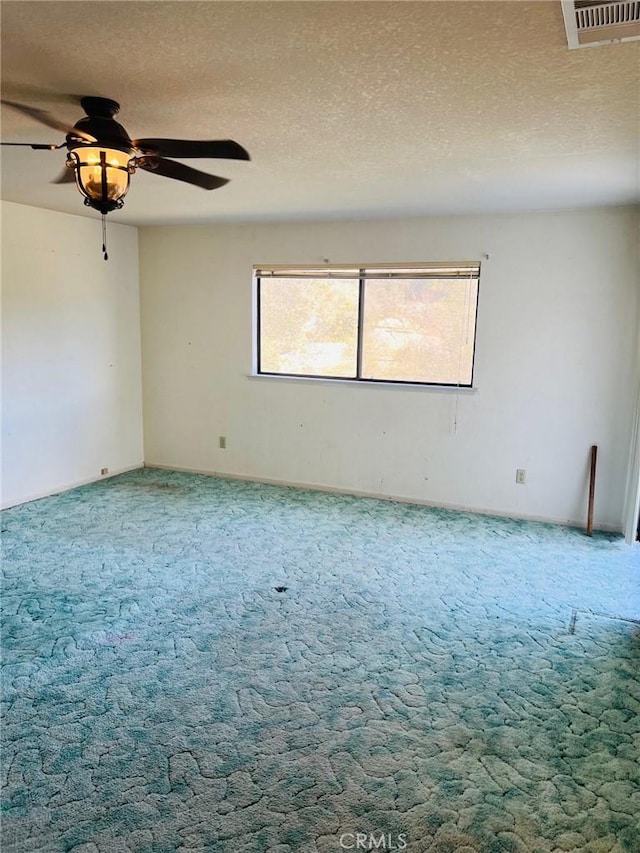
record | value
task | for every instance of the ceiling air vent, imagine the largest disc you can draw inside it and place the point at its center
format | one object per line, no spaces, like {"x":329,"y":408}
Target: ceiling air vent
{"x":590,"y":23}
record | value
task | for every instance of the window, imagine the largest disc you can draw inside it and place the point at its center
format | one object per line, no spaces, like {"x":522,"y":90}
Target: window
{"x":372,"y":324}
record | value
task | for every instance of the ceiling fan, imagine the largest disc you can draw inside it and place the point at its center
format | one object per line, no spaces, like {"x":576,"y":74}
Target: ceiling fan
{"x":101,"y":156}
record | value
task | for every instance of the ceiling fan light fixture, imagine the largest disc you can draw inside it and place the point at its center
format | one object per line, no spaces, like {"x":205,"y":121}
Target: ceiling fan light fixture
{"x":102,"y":175}
{"x":102,"y":155}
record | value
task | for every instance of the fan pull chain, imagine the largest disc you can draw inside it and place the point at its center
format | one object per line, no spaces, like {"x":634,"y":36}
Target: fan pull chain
{"x":104,"y":238}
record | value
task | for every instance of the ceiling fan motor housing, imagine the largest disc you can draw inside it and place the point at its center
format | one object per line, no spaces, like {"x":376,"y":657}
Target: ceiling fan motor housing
{"x":100,"y":124}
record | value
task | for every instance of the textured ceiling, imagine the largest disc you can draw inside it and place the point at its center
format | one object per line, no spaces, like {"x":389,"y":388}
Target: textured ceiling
{"x":349,"y":109}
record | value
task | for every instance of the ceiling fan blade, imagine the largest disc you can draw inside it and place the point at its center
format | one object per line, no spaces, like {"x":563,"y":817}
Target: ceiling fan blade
{"x":66,"y":176}
{"x":216,"y":148}
{"x":180,"y":172}
{"x":47,"y":119}
{"x":38,"y":146}
{"x":24,"y":93}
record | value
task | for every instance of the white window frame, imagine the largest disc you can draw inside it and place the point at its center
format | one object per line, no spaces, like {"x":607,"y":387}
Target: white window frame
{"x":454,"y":270}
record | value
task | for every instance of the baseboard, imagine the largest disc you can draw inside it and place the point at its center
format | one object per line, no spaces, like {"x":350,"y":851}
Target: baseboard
{"x":359,"y":493}
{"x":318,"y":487}
{"x":68,"y":486}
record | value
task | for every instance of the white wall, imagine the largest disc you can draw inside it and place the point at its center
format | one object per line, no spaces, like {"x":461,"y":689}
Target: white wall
{"x":71,"y":371}
{"x":554,"y":365}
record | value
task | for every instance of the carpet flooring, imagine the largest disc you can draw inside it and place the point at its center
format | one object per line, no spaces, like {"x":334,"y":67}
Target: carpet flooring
{"x":194,"y":663}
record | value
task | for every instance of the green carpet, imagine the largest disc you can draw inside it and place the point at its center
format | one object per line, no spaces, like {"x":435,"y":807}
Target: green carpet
{"x":428,"y":680}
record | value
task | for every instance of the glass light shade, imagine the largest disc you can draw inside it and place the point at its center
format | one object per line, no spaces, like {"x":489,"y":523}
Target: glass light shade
{"x":102,"y":175}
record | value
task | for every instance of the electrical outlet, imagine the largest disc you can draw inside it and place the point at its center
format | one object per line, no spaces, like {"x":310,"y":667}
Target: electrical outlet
{"x":104,"y":471}
{"x":222,"y":442}
{"x":521,"y":476}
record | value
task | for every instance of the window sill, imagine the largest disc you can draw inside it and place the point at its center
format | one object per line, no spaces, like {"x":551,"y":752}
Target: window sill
{"x":363,"y":383}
